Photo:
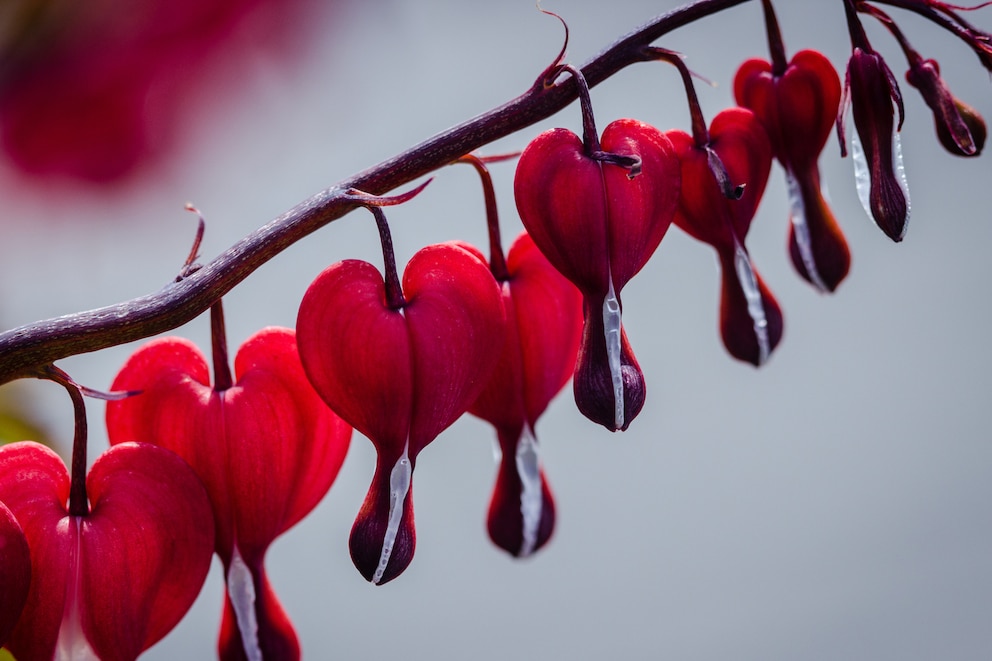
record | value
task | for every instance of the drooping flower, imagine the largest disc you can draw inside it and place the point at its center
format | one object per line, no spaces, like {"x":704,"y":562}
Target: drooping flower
{"x":15,"y":572}
{"x":265,"y":446}
{"x":798,"y":108}
{"x":112,"y":582}
{"x":738,"y":147}
{"x":400,"y":364}
{"x":598,"y":208}
{"x":960,"y":128}
{"x":543,"y":329}
{"x":873,"y":95}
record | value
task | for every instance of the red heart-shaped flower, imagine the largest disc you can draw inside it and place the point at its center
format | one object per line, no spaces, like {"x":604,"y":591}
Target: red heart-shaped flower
{"x":598,"y":226}
{"x":267,"y":449}
{"x":798,"y":110}
{"x":117,"y":580}
{"x":399,"y":376}
{"x":544,"y":324}
{"x":750,"y":317}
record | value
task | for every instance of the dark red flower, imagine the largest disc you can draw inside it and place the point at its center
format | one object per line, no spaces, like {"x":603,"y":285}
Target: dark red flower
{"x":960,"y":128}
{"x":598,"y":225}
{"x":881,"y":182}
{"x":750,"y":317}
{"x":399,"y":376}
{"x":113,"y":582}
{"x":798,"y":109}
{"x":266,"y":447}
{"x":544,"y":324}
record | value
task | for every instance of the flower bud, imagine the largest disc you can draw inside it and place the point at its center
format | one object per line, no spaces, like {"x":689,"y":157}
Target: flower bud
{"x":872,"y":90}
{"x":960,"y":128}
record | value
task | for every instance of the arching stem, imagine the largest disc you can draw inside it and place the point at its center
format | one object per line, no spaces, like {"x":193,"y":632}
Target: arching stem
{"x":497,"y":261}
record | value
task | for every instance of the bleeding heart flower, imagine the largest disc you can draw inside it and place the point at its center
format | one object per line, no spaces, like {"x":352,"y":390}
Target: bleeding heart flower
{"x":543,"y":329}
{"x":598,"y":225}
{"x":265,"y":446}
{"x":798,"y":108}
{"x":15,"y":572}
{"x":400,"y":372}
{"x":111,"y":583}
{"x":960,"y":128}
{"x":750,"y":317}
{"x":873,"y":94}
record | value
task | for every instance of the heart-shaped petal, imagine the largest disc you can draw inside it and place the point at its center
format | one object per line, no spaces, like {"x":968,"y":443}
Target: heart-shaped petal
{"x":798,"y":109}
{"x":123,"y":575}
{"x":400,"y":376}
{"x":591,"y":220}
{"x":543,"y":327}
{"x":741,"y":142}
{"x":267,"y":448}
{"x":15,"y":572}
{"x":750,"y":317}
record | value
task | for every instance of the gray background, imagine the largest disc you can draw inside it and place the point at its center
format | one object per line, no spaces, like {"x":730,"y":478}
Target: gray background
{"x":832,"y":505}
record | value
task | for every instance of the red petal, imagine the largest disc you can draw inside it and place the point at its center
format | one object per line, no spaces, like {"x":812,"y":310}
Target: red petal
{"x":15,"y":571}
{"x":742,"y":144}
{"x":356,"y":352}
{"x":454,"y":317}
{"x":285,"y":446}
{"x":544,"y":324}
{"x":145,"y":548}
{"x":35,"y":486}
{"x":640,"y":210}
{"x":561,"y":200}
{"x":798,"y":109}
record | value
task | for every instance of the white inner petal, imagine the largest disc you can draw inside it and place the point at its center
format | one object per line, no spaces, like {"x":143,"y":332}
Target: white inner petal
{"x":241,"y":590}
{"x":72,"y":644}
{"x":900,"y":169}
{"x":862,"y":175}
{"x":531,"y":498}
{"x":399,"y":485}
{"x":755,"y":306}
{"x":611,"y":332}
{"x":800,"y":228}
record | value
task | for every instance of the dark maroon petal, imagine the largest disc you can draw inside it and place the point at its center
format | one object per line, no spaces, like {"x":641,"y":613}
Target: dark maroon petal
{"x":276,"y":636}
{"x":960,"y":127}
{"x":522,"y":510}
{"x":817,"y":246}
{"x":383,"y":537}
{"x":872,"y":97}
{"x":597,"y":379}
{"x":750,"y":318}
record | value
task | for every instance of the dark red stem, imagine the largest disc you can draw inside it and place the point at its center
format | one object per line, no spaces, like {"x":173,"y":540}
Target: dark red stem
{"x":497,"y":261}
{"x":79,"y":504}
{"x":776,"y":47}
{"x":857,"y":31}
{"x":700,"y":134}
{"x":394,"y":292}
{"x":218,"y":342}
